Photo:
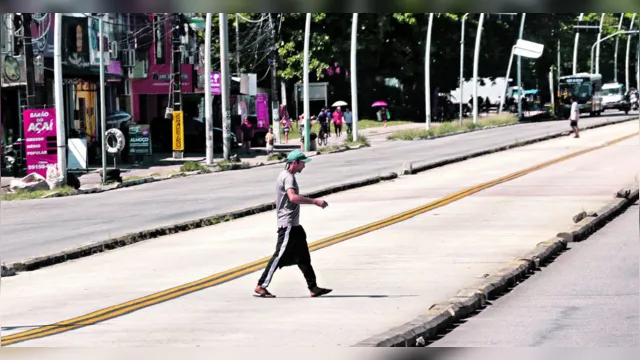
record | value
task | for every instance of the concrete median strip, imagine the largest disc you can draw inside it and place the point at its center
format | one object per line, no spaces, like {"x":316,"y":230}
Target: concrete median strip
{"x":415,"y":169}
{"x":117,"y":242}
{"x":443,"y":316}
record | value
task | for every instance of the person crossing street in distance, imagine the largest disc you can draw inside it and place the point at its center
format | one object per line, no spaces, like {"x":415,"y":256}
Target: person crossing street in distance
{"x":291,"y":247}
{"x":574,"y":116}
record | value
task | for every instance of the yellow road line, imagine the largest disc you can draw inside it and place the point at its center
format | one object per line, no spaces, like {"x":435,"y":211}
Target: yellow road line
{"x":220,"y":278}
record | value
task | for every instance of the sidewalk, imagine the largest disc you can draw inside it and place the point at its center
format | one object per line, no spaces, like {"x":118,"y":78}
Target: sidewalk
{"x":381,"y":279}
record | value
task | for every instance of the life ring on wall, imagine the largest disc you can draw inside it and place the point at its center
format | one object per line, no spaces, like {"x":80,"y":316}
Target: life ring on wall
{"x":120,"y":141}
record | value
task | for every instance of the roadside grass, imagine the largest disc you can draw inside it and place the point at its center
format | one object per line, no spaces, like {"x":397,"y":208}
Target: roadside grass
{"x":193,"y":166}
{"x":362,"y":140}
{"x":225,"y":165}
{"x":327,"y":149}
{"x":276,"y":156}
{"x":135,"y":177}
{"x":28,"y":195}
{"x":453,"y":126}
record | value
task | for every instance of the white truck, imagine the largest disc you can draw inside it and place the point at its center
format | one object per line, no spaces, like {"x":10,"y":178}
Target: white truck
{"x":613,"y":97}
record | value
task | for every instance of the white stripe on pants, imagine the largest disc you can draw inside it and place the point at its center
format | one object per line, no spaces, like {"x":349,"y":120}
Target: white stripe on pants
{"x":274,"y":265}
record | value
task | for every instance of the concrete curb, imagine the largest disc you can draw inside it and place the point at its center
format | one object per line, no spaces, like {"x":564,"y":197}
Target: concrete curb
{"x":589,"y":225}
{"x":442,"y":316}
{"x":420,"y":168}
{"x":132,"y":238}
{"x":470,"y":131}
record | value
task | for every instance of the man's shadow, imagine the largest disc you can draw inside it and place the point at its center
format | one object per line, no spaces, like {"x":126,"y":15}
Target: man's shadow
{"x":347,"y":296}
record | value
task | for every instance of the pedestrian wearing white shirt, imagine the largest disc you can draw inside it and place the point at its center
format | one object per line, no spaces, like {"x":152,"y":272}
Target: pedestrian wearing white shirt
{"x":574,"y":116}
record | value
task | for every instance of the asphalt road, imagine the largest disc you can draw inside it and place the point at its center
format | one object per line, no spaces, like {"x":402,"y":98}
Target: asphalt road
{"x":588,"y":297}
{"x":41,"y":227}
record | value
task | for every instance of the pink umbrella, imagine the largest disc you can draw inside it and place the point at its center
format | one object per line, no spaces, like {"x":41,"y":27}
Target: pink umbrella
{"x":379,"y":103}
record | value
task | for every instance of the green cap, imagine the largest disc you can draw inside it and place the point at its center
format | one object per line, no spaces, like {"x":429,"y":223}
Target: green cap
{"x":297,"y":155}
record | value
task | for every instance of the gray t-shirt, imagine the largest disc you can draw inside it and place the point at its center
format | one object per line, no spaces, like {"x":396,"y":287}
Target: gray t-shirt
{"x":348,"y":117}
{"x":288,"y":212}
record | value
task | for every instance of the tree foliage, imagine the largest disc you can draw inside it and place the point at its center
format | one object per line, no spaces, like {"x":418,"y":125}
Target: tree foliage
{"x":392,"y":46}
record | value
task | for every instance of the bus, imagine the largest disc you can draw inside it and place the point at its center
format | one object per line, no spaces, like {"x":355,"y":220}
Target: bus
{"x":586,"y":88}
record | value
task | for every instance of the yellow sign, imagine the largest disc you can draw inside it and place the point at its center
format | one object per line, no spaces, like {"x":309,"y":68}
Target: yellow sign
{"x":178,"y":131}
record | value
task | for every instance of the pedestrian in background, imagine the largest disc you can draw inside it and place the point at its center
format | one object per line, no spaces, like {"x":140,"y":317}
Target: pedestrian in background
{"x":337,"y":121}
{"x":574,"y":116}
{"x":247,"y":134}
{"x":269,"y":140}
{"x":348,"y":119}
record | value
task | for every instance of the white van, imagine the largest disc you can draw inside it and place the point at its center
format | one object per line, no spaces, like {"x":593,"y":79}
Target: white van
{"x":613,"y":97}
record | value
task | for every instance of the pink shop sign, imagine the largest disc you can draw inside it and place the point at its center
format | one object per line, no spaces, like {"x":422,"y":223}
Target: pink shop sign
{"x":40,"y":138}
{"x":158,"y":80}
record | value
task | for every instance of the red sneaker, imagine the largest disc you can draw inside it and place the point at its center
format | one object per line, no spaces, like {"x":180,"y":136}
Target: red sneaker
{"x":262,"y":292}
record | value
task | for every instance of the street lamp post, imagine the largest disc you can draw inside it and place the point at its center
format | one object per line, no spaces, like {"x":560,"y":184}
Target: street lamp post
{"x":464,"y":19}
{"x":615,"y":55}
{"x":593,"y":47}
{"x":633,"y":18}
{"x":207,"y":90}
{"x":506,"y":82}
{"x":305,"y":81}
{"x":354,"y":78}
{"x":476,"y":54}
{"x":575,"y":48}
{"x":519,"y":70}
{"x":598,"y":47}
{"x":427,"y":73}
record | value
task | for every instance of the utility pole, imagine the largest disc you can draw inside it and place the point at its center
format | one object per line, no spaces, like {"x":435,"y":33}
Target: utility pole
{"x":638,"y":61}
{"x":305,"y":80}
{"x":559,"y":71}
{"x":103,"y":112}
{"x":615,"y":56}
{"x":598,"y":48}
{"x":354,"y":76}
{"x":633,"y":19}
{"x":1,"y":127}
{"x":224,"y":84}
{"x":520,"y":89}
{"x":275,"y":104}
{"x":464,"y":19}
{"x":237,"y":45}
{"x":207,"y":89}
{"x":176,"y":61}
{"x":575,"y":48}
{"x":476,"y":55}
{"x":59,"y":100}
{"x":427,"y":74}
{"x":28,"y":60}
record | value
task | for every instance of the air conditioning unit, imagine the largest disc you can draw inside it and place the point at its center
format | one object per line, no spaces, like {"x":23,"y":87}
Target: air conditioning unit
{"x":128,"y":58}
{"x":113,"y":50}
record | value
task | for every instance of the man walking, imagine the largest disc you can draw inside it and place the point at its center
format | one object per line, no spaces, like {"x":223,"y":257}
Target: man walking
{"x":574,"y":116}
{"x":291,"y":248}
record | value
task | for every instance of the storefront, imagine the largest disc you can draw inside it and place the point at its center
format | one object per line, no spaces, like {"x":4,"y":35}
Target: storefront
{"x":81,"y":89}
{"x":153,"y":94}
